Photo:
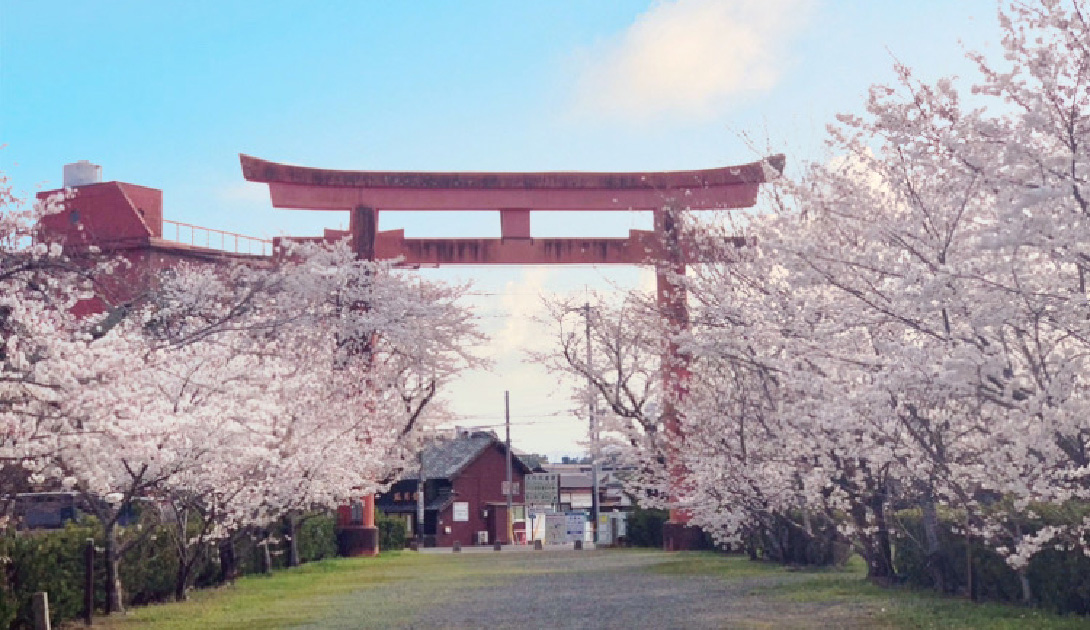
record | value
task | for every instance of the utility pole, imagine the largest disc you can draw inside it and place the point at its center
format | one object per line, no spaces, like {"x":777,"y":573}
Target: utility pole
{"x":507,"y":424}
{"x":593,"y":415}
{"x":421,"y":484}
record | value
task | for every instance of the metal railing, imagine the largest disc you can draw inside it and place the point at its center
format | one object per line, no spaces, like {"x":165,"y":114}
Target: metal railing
{"x":215,"y":239}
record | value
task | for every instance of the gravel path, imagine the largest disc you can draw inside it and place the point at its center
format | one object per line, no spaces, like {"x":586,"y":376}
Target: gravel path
{"x":598,"y":590}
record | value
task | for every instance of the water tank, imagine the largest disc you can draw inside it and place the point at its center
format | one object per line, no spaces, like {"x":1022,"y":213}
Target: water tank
{"x":82,"y":172}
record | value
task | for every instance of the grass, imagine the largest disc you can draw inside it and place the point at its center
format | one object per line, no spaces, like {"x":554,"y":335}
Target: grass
{"x":286,"y":598}
{"x":309,"y":593}
{"x":898,"y":607}
{"x":283,"y":599}
{"x":394,"y":584}
{"x":909,"y":608}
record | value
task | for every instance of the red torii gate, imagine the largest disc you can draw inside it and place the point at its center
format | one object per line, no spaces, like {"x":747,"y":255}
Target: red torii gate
{"x":515,"y":195}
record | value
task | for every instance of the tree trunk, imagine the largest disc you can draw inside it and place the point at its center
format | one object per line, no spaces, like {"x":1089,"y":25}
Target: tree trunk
{"x":1027,"y":591}
{"x":291,"y":527}
{"x":181,"y":582}
{"x":113,"y":573}
{"x":876,"y":546}
{"x":266,"y":557}
{"x":884,"y":549}
{"x":936,"y":560}
{"x":751,"y":545}
{"x":228,"y":562}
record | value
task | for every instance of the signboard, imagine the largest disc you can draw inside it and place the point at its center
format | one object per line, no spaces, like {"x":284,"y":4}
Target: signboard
{"x":542,"y":489}
{"x":577,"y":525}
{"x":461,"y":511}
{"x":556,"y":529}
{"x":605,"y":532}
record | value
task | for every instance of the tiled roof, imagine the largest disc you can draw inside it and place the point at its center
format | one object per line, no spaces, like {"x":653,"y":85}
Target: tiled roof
{"x":444,"y":458}
{"x":575,"y":481}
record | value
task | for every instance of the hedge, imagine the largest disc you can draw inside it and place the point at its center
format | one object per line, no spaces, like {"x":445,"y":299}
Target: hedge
{"x":392,"y":532}
{"x":644,"y":527}
{"x":1059,"y":579}
{"x":52,"y":561}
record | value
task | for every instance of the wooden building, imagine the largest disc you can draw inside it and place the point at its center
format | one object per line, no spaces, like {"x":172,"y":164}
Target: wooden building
{"x":465,"y":497}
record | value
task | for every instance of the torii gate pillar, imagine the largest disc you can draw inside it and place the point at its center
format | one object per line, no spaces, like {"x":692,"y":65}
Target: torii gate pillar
{"x":677,"y":534}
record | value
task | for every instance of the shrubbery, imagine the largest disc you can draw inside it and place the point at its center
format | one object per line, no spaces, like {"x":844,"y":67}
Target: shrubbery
{"x":52,"y":561}
{"x":644,"y":527}
{"x":392,"y":532}
{"x":1058,"y":579}
{"x":787,"y":541}
{"x":43,"y":561}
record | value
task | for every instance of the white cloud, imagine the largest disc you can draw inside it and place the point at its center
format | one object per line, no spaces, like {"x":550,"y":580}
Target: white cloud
{"x":689,"y":57}
{"x":523,"y":303}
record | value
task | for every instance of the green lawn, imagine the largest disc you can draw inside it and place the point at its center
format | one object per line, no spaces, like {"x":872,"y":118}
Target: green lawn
{"x":390,"y":588}
{"x":898,"y":607}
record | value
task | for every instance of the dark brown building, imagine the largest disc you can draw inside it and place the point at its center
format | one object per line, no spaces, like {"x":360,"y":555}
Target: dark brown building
{"x":465,"y":496}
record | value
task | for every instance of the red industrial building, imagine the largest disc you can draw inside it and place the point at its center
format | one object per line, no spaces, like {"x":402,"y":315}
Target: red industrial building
{"x":126,"y":220}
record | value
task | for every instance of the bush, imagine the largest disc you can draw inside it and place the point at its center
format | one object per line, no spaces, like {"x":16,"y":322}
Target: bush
{"x":317,"y":537}
{"x":148,"y":569}
{"x":50,"y":561}
{"x":644,"y":527}
{"x":392,"y":532}
{"x":1059,"y":579}
{"x":785,"y":541}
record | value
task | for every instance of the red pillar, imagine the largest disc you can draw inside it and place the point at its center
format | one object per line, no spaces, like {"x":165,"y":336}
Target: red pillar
{"x":361,"y":538}
{"x":677,"y":534}
{"x":356,"y":531}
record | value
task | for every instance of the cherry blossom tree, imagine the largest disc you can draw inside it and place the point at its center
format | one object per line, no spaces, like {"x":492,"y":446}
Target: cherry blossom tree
{"x":230,"y":393}
{"x":910,"y":327}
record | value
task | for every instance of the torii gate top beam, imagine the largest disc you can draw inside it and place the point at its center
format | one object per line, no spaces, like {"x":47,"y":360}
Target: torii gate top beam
{"x":327,"y":189}
{"x":365,"y":194}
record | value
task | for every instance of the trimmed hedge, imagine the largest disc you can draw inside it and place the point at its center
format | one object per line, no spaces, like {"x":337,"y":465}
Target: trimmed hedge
{"x":1059,"y":579}
{"x":52,"y":561}
{"x":44,"y":561}
{"x":317,"y":538}
{"x":392,"y":532}
{"x":644,"y":527}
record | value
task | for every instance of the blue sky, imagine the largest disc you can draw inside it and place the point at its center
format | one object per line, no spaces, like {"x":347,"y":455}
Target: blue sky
{"x":167,"y":93}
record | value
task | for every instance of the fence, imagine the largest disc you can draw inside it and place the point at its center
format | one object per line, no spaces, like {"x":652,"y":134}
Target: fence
{"x":215,"y":239}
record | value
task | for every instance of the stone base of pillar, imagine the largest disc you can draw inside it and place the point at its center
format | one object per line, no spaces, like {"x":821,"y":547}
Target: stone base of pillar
{"x":681,"y":537}
{"x":357,"y":540}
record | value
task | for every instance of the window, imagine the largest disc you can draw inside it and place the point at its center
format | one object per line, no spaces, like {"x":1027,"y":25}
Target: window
{"x":514,"y":487}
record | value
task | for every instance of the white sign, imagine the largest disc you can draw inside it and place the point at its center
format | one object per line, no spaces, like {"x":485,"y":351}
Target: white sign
{"x":556,"y":529}
{"x":542,"y":489}
{"x":461,"y":511}
{"x":577,"y":526}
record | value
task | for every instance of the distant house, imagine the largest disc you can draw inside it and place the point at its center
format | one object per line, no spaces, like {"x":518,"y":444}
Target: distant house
{"x":46,"y":510}
{"x":576,"y":491}
{"x":465,"y":487}
{"x":577,"y":487}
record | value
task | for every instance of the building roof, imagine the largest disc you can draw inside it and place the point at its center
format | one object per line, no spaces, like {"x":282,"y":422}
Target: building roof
{"x":575,"y":481}
{"x":445,"y":458}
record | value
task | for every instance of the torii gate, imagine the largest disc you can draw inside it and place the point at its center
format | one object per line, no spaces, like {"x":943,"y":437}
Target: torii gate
{"x":515,"y":195}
